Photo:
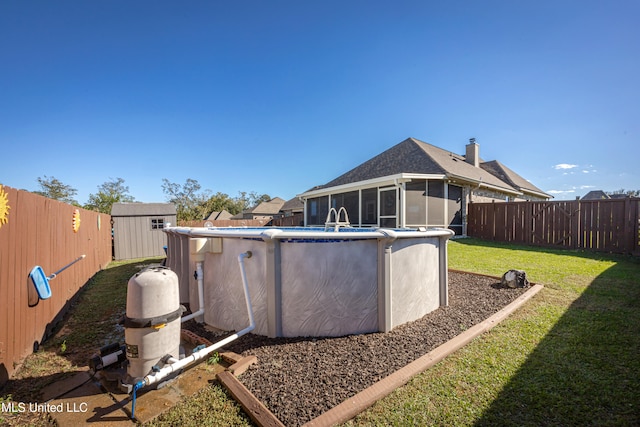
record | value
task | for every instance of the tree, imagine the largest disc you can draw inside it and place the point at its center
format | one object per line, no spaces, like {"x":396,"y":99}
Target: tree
{"x":190,"y":203}
{"x":193,"y":204}
{"x":248,"y":200}
{"x":110,"y":192}
{"x":628,"y":193}
{"x":219,"y":202}
{"x":53,"y":188}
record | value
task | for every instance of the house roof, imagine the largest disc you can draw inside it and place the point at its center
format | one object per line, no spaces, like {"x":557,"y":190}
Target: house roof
{"x":499,"y":170}
{"x":142,"y":209}
{"x":413,"y":156}
{"x":219,"y":215}
{"x":595,"y":195}
{"x":407,"y":156}
{"x":293,"y":205}
{"x":271,"y":207}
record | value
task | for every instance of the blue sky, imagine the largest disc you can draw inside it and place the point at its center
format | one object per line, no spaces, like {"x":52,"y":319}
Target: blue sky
{"x":278,"y":96}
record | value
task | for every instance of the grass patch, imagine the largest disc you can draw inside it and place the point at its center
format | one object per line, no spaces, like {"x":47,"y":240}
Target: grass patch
{"x":570,"y":271}
{"x":569,"y":357}
{"x":211,"y":406}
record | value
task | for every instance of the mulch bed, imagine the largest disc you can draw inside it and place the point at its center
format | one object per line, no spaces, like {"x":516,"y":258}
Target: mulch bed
{"x":300,"y":378}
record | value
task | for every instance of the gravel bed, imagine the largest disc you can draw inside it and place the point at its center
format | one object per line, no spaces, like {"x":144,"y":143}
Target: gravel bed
{"x":300,"y":378}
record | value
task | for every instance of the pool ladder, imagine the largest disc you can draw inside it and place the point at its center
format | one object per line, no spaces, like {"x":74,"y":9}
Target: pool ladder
{"x":336,"y":223}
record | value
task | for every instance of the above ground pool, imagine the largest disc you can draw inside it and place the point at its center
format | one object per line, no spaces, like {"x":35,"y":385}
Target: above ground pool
{"x":308,"y":281}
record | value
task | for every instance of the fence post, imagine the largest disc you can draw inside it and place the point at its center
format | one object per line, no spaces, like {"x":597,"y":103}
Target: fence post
{"x":634,"y":216}
{"x":575,"y":223}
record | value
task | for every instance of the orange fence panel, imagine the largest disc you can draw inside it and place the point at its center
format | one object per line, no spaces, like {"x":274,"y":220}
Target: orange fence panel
{"x":35,"y":230}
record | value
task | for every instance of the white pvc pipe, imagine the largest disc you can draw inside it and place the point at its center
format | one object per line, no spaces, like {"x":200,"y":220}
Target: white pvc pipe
{"x":169,"y":369}
{"x":245,"y":284}
{"x":200,"y":277}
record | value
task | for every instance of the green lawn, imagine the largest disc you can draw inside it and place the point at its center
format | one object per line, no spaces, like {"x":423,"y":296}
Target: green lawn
{"x":570,"y":357}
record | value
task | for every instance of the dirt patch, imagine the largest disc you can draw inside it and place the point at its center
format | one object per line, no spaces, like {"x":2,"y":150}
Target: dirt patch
{"x":300,"y":378}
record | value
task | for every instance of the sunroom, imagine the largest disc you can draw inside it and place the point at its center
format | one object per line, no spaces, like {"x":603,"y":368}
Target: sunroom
{"x":398,"y":201}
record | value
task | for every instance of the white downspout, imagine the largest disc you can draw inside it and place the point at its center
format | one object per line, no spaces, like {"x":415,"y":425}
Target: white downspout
{"x":200,"y":354}
{"x":200,"y":278}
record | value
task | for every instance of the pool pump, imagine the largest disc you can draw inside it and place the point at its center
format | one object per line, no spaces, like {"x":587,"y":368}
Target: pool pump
{"x":152,"y":354}
{"x":152,"y":321}
{"x":110,"y":355}
{"x":151,"y":328}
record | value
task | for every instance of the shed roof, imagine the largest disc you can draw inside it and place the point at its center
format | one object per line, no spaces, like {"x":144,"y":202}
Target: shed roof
{"x":143,"y":209}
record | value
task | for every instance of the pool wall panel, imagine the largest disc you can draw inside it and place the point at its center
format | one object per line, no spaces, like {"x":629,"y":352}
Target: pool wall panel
{"x":415,"y":279}
{"x":329,"y":288}
{"x":225,"y":306}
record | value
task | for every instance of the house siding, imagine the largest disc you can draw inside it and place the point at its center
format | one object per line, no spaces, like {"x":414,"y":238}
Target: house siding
{"x":487,"y":196}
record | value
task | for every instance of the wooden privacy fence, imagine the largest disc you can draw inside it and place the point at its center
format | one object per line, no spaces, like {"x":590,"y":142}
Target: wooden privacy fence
{"x":600,"y":225}
{"x":289,"y":221}
{"x":295,"y":220}
{"x":225,"y":223}
{"x":35,"y":230}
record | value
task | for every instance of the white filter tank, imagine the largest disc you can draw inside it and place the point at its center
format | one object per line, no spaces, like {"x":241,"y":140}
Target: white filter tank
{"x":152,"y":322}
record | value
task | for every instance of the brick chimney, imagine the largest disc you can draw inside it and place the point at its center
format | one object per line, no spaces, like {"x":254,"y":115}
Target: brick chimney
{"x":473,"y":153}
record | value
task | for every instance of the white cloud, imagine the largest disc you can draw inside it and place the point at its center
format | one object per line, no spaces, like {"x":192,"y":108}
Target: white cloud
{"x":564,"y":166}
{"x":571,"y":192}
{"x":560,"y":191}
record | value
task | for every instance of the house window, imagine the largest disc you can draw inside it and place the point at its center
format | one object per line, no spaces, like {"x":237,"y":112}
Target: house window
{"x":369,"y":206}
{"x":416,"y":203}
{"x":312,"y":211}
{"x":157,"y":223}
{"x":350,"y":202}
{"x":317,"y":209}
{"x":435,"y":204}
{"x":388,"y":207}
{"x":454,"y":208}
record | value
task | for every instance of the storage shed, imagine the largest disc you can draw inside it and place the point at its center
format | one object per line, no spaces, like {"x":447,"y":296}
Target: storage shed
{"x":137,"y":229}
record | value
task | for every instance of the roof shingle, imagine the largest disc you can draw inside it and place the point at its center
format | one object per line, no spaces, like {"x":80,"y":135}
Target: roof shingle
{"x":415,"y":156}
